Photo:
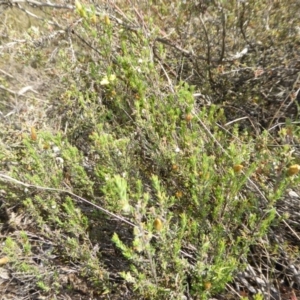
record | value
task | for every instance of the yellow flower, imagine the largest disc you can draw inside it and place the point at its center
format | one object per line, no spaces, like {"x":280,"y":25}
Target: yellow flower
{"x":175,"y":168}
{"x":178,"y":194}
{"x":157,"y":224}
{"x":188,"y":117}
{"x":207,"y":285}
{"x":33,"y":134}
{"x":4,"y":260}
{"x":238,"y":168}
{"x":106,"y":20}
{"x":293,"y":170}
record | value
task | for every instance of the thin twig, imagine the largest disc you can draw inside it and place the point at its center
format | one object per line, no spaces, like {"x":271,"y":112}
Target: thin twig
{"x":41,"y":4}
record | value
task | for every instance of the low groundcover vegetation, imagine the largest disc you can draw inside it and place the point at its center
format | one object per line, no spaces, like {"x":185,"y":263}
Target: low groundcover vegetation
{"x":150,"y":151}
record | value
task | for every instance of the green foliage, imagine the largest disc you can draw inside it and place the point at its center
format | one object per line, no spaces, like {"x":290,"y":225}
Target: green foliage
{"x":190,"y":192}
